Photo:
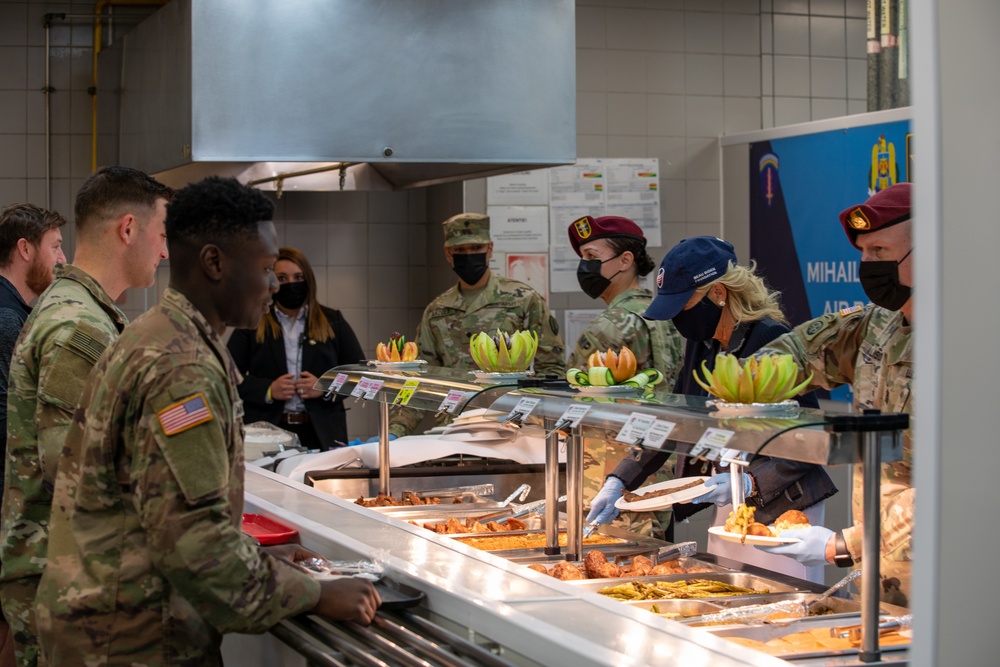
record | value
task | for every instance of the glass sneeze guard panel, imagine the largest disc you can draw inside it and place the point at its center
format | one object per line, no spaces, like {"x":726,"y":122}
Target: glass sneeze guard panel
{"x":691,"y":425}
{"x":428,"y":388}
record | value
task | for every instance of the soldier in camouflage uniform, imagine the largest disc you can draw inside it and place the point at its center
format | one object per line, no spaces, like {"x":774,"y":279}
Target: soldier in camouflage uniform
{"x":481,"y":301}
{"x":147,"y":561}
{"x":869,"y":348}
{"x":120,"y":215}
{"x":613,"y":257}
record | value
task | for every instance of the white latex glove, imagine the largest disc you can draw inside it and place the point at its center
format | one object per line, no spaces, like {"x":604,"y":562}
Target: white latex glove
{"x":810,"y":551}
{"x":720,"y":492}
{"x":602,"y":507}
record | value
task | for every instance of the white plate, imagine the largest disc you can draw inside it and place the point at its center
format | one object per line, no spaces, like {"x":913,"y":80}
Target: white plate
{"x":620,"y":390}
{"x":720,"y":531}
{"x":483,"y":376}
{"x":398,"y":365}
{"x":659,"y":502}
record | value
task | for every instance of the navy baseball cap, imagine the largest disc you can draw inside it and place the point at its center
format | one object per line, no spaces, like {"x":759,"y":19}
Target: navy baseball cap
{"x":690,"y":264}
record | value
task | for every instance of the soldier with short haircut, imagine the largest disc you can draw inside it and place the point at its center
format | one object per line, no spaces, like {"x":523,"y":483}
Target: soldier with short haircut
{"x":30,"y":248}
{"x":480,"y":301}
{"x":871,"y":349}
{"x":147,"y":560}
{"x":120,"y":241}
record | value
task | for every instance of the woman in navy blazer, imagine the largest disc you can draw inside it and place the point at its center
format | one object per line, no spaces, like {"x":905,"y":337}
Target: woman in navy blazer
{"x":297,"y":341}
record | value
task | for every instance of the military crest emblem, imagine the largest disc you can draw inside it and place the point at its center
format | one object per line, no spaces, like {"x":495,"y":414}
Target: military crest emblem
{"x":582,"y":227}
{"x":858,"y":220}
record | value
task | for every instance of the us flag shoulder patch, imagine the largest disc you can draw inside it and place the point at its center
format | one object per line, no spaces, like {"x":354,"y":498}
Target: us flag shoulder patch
{"x":844,"y":312}
{"x":181,"y":416}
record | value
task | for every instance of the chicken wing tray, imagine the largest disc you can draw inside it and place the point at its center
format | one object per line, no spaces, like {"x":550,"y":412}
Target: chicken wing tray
{"x":597,"y":565}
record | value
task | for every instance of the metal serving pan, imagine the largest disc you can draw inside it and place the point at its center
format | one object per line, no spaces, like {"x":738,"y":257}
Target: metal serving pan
{"x":741,"y":579}
{"x":767,"y":632}
{"x":550,"y":560}
{"x":683,"y":608}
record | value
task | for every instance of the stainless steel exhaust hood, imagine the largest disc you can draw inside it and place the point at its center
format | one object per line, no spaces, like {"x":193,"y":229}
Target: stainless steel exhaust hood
{"x":383,"y":94}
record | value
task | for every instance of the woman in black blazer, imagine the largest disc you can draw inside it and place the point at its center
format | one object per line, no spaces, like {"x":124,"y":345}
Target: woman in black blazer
{"x":297,"y":341}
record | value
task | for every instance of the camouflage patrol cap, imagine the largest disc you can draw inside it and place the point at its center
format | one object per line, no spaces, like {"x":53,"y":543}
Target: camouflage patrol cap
{"x":465,"y":229}
{"x":883,"y":209}
{"x":589,"y":228}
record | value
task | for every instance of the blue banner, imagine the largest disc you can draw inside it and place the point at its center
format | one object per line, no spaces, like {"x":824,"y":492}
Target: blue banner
{"x":798,"y":187}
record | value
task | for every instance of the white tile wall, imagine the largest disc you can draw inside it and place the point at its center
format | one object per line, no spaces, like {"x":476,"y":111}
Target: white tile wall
{"x":828,"y":77}
{"x":827,"y":36}
{"x":654,"y":77}
{"x":703,"y":74}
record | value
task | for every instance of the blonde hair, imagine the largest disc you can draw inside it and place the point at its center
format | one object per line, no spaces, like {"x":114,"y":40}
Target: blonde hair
{"x":749,"y":299}
{"x":317,"y":326}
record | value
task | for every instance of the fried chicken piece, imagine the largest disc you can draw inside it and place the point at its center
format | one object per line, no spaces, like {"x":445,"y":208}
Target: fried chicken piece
{"x":516,"y":524}
{"x":477,"y":527}
{"x":410,"y":498}
{"x":538,"y":567}
{"x":566,"y":571}
{"x":640,"y":566}
{"x":454,"y":526}
{"x":759,"y":529}
{"x":666,"y":568}
{"x":597,"y":566}
{"x":494,"y":527}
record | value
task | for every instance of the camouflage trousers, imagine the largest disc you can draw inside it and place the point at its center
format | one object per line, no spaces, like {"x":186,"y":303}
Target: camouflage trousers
{"x":600,"y":457}
{"x":18,"y":598}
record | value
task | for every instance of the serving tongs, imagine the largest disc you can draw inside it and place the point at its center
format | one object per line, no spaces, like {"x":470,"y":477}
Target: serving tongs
{"x":531,"y":508}
{"x":664,"y":554}
{"x":853,"y":632}
{"x":477,"y":490}
{"x":520,"y":493}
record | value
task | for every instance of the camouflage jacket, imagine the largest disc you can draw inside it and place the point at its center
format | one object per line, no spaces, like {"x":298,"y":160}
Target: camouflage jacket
{"x":147,"y":561}
{"x":450,"y":320}
{"x":871,"y":350}
{"x":66,"y":333}
{"x":655,"y":343}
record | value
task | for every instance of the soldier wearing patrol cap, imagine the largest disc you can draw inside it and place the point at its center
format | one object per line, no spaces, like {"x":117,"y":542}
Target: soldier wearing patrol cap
{"x":869,"y":348}
{"x":613,"y":257}
{"x":480,"y":301}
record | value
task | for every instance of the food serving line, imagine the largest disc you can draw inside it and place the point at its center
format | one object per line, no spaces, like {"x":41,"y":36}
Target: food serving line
{"x":495,"y":601}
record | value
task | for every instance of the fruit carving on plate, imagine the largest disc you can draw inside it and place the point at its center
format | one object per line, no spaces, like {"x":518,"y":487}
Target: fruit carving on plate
{"x":502,"y":354}
{"x":397,"y":349}
{"x":756,"y":385}
{"x":397,"y":352}
{"x":610,"y":372}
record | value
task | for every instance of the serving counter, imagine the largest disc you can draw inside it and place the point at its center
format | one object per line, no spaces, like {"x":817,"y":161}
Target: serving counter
{"x":522,"y":616}
{"x":537,"y":619}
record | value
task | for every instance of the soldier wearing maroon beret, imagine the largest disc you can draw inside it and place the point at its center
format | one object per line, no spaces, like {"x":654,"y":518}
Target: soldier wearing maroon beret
{"x":870,"y":348}
{"x":613,"y":257}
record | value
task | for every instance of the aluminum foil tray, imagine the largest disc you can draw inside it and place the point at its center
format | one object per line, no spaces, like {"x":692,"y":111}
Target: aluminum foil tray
{"x":742,"y":579}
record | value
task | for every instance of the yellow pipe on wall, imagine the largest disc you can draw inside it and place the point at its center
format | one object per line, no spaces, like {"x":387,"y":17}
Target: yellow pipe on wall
{"x":99,"y":8}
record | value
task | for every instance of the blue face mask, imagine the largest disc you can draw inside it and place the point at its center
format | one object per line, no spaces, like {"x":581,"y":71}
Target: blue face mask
{"x":699,"y":322}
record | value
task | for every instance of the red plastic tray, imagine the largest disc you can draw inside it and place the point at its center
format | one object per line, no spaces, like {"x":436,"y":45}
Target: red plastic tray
{"x":267,"y":531}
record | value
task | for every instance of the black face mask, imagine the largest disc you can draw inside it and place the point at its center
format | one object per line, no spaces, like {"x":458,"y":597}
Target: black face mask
{"x":292,"y":295}
{"x":699,"y":322}
{"x":470,"y":268}
{"x":588,"y":274}
{"x":880,"y":281}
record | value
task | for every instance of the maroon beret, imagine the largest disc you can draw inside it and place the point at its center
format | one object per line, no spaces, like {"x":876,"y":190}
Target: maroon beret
{"x":883,"y":209}
{"x":588,"y":228}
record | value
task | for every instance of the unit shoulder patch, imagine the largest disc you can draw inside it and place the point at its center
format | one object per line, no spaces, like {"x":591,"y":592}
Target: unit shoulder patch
{"x":184,"y":414}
